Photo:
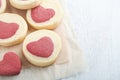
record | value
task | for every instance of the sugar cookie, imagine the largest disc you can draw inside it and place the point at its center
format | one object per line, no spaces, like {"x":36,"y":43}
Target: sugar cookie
{"x":45,"y":16}
{"x":13,"y":29}
{"x":42,"y":47}
{"x":2,"y":6}
{"x":25,"y":4}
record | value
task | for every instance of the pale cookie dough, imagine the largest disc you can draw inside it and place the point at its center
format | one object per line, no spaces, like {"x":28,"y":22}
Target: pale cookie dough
{"x":47,"y":15}
{"x":13,"y":29}
{"x":2,"y":6}
{"x":42,"y":47}
{"x":25,"y":4}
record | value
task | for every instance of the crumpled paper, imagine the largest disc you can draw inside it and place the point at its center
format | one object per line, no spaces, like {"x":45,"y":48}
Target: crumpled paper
{"x":69,"y":62}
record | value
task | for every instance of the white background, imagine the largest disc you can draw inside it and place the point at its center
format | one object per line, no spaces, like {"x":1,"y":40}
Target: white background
{"x":97,"y":27}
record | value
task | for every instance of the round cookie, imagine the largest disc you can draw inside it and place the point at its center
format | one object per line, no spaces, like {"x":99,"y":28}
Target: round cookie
{"x":2,"y":6}
{"x":25,"y":4}
{"x":13,"y":29}
{"x":47,"y":15}
{"x":42,"y":47}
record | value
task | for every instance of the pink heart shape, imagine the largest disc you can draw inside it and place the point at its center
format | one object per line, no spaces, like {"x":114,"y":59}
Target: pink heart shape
{"x":43,"y":47}
{"x":7,"y":30}
{"x":40,"y":14}
{"x":10,"y":65}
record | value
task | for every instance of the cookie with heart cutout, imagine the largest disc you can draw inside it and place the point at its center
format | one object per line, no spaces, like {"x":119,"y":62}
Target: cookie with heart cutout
{"x":25,"y":4}
{"x":2,"y":6}
{"x":10,"y":64}
{"x":47,"y":15}
{"x":42,"y":47}
{"x":13,"y":29}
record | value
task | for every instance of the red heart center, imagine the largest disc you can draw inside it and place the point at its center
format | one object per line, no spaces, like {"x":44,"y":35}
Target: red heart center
{"x":40,"y":14}
{"x":43,"y":47}
{"x":7,"y":30}
{"x":10,"y":65}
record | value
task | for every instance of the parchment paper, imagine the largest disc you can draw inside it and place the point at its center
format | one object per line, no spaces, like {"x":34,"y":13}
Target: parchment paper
{"x":69,"y":62}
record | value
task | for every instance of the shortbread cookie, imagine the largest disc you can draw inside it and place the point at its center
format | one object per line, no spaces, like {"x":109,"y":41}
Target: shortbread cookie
{"x":42,"y":47}
{"x":25,"y":4}
{"x":45,"y":16}
{"x":2,"y":6}
{"x":10,"y":64}
{"x":13,"y":29}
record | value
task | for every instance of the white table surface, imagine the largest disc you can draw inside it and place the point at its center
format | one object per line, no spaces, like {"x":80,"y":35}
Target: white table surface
{"x":97,"y":27}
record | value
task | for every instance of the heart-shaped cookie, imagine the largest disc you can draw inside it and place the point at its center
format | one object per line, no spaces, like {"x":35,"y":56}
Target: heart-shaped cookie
{"x":7,"y":30}
{"x":10,"y":65}
{"x":41,"y":14}
{"x":42,"y":48}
